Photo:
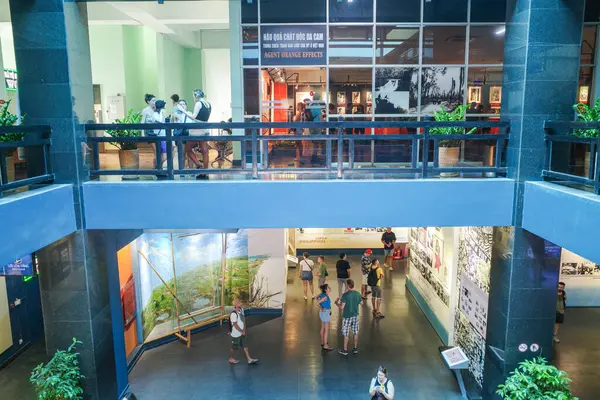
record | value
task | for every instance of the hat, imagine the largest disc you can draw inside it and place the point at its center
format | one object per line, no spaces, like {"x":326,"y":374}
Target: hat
{"x":369,"y":251}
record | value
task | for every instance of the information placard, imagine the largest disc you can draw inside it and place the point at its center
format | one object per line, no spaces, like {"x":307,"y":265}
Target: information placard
{"x":293,"y":45}
{"x":455,"y":358}
{"x":21,"y":266}
{"x":474,"y":304}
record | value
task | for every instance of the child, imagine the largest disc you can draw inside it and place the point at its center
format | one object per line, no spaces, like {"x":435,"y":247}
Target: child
{"x":324,"y":302}
{"x":365,"y":266}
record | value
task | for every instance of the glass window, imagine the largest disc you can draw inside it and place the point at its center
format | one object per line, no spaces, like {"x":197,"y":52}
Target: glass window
{"x":588,"y":44}
{"x":251,"y":91}
{"x":390,"y":11}
{"x":286,"y":11}
{"x":445,"y":11}
{"x":351,"y":11}
{"x":350,"y":90}
{"x":592,"y":11}
{"x":444,"y":44}
{"x":488,"y":10}
{"x":484,"y":90}
{"x":586,"y":79}
{"x":441,"y":87}
{"x":351,"y":45}
{"x":250,"y":45}
{"x":486,"y":44}
{"x":249,"y":12}
{"x":396,"y":90}
{"x":397,"y":45}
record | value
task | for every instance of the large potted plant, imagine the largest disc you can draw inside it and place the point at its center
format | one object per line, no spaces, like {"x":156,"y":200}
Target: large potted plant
{"x":129,"y":156}
{"x":535,"y":379}
{"x":9,"y":119}
{"x":586,"y":113}
{"x":60,"y":378}
{"x":449,"y":150}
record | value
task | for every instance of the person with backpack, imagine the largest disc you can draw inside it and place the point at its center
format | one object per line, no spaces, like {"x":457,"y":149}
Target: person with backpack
{"x":324,"y":302}
{"x":374,"y":281}
{"x":365,"y":267}
{"x":237,"y":331}
{"x":306,"y":274}
{"x":381,"y":386}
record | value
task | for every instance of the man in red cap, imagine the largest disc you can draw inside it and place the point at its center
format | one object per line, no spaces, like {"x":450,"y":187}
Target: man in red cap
{"x":365,"y":266}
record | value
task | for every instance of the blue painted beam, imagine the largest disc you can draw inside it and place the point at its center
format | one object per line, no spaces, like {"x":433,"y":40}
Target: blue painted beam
{"x":567,"y":217}
{"x":306,"y":203}
{"x":34,"y":219}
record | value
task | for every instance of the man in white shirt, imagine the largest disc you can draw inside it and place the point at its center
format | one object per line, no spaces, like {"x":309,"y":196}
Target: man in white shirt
{"x":238,"y":333}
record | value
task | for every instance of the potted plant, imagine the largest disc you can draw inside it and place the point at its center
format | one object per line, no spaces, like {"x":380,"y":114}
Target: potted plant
{"x":9,"y":119}
{"x":129,"y":156}
{"x":586,"y":113}
{"x":449,"y":150}
{"x":60,"y":378}
{"x":535,"y":379}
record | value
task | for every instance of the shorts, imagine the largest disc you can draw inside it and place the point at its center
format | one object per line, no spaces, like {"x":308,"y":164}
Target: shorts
{"x":388,"y":252}
{"x":560,"y":318}
{"x":307,"y":276}
{"x":365,"y":279}
{"x":163,"y":147}
{"x":237,"y":342}
{"x":325,"y":316}
{"x":376,"y":292}
{"x":349,"y":323}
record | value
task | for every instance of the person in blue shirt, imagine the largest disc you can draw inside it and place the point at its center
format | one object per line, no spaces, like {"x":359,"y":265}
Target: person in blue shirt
{"x":324,"y":302}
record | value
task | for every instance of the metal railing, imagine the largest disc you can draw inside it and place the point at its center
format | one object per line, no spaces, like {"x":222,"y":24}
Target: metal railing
{"x":565,"y":150}
{"x":424,"y":147}
{"x":36,"y":136}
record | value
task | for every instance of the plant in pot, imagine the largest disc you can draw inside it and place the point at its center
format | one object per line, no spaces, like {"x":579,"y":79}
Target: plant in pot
{"x":535,"y":379}
{"x":129,"y":156}
{"x":449,"y":150}
{"x":586,"y":113}
{"x":60,"y":378}
{"x":9,"y":119}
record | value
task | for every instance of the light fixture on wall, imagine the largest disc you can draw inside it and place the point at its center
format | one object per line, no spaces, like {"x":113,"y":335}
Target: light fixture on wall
{"x":500,"y":31}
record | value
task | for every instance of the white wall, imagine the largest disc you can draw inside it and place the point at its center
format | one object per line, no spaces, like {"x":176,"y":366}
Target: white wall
{"x":581,"y":278}
{"x":8,"y":50}
{"x":5,"y":327}
{"x":216,"y":81}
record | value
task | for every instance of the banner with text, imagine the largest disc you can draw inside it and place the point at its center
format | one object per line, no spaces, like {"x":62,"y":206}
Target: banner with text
{"x":293,"y":45}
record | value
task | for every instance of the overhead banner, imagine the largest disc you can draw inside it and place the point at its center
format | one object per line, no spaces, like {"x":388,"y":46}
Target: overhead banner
{"x":293,"y":45}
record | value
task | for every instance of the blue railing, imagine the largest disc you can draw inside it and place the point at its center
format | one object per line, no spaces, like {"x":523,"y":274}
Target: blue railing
{"x":565,"y":151}
{"x":33,"y":137}
{"x":424,"y":147}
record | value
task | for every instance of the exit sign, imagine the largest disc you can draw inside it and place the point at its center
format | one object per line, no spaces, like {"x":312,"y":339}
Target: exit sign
{"x":10,"y":79}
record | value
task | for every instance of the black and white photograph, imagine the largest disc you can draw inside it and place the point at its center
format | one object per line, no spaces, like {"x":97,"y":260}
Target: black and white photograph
{"x":396,"y":90}
{"x":442,"y":87}
{"x":569,"y":268}
{"x":341,"y":99}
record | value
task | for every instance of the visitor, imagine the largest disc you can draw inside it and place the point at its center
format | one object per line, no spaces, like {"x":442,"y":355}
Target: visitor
{"x":174,"y":113}
{"x":349,"y":305}
{"x":237,"y":321}
{"x":322,"y":270}
{"x":343,"y":273}
{"x":299,"y":117}
{"x":306,"y":274}
{"x":388,"y":239}
{"x":374,"y":281}
{"x":159,"y":118}
{"x":365,"y":266}
{"x":148,"y":118}
{"x":381,"y":386}
{"x":324,"y":302}
{"x":561,"y":304}
{"x":201,"y":113}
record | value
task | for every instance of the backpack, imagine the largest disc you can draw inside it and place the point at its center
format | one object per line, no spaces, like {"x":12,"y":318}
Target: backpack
{"x":372,"y":278}
{"x":230,"y":324}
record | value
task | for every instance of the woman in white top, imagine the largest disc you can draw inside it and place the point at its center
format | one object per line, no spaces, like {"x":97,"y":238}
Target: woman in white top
{"x":381,"y":386}
{"x":148,"y":116}
{"x":306,"y":274}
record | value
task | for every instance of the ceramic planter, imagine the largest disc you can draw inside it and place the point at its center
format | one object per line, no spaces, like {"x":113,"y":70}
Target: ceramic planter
{"x":448,"y":157}
{"x":129,"y":159}
{"x":10,"y":168}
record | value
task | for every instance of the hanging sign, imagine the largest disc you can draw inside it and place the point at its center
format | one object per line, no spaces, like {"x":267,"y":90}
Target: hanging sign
{"x":293,"y":45}
{"x":10,"y":79}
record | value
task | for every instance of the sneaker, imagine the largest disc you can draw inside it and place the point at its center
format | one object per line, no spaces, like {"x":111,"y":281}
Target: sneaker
{"x":556,"y":339}
{"x":385,"y":265}
{"x":355,"y":351}
{"x":391,"y":269}
{"x":305,"y":298}
{"x":343,"y":352}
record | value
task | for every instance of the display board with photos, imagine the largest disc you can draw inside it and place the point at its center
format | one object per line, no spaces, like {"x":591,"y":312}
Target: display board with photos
{"x":345,"y":238}
{"x":582,"y":280}
{"x":427,"y":256}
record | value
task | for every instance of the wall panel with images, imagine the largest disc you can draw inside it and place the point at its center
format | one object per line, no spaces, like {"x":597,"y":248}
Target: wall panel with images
{"x":344,"y":238}
{"x":581,"y":278}
{"x":267,"y":267}
{"x":473,"y":285}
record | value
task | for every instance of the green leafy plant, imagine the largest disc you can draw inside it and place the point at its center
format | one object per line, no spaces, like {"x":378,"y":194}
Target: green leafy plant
{"x":457,"y":115}
{"x":60,"y":378}
{"x":536,"y":380}
{"x":9,"y":119}
{"x":131,"y":118}
{"x":586,"y":113}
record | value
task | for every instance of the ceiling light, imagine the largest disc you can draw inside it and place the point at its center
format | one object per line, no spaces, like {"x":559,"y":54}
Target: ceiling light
{"x":500,"y":31}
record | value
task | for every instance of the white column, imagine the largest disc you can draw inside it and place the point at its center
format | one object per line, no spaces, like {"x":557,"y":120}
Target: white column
{"x":237,"y":74}
{"x":2,"y":84}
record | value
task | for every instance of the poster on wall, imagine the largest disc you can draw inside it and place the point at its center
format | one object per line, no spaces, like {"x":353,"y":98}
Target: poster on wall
{"x":10,"y":79}
{"x":267,"y":267}
{"x":473,"y":303}
{"x":345,"y":238}
{"x":293,"y":45}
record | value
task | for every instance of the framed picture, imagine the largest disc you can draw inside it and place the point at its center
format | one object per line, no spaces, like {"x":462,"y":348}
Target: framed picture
{"x":341,"y":110}
{"x":584,"y":94}
{"x":341,"y":98}
{"x":369,"y":109}
{"x":474,"y":94}
{"x":496,"y":94}
{"x":369,"y":97}
{"x":355,"y":97}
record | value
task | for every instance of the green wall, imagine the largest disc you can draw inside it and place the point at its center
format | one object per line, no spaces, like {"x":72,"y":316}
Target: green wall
{"x":193,"y":72}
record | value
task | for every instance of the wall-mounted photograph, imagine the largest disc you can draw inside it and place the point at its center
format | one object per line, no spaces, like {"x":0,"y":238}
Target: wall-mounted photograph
{"x":341,"y":98}
{"x":369,"y":97}
{"x":442,"y":87}
{"x":355,"y":97}
{"x":396,"y":90}
{"x":496,"y":94}
{"x":474,"y":94}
